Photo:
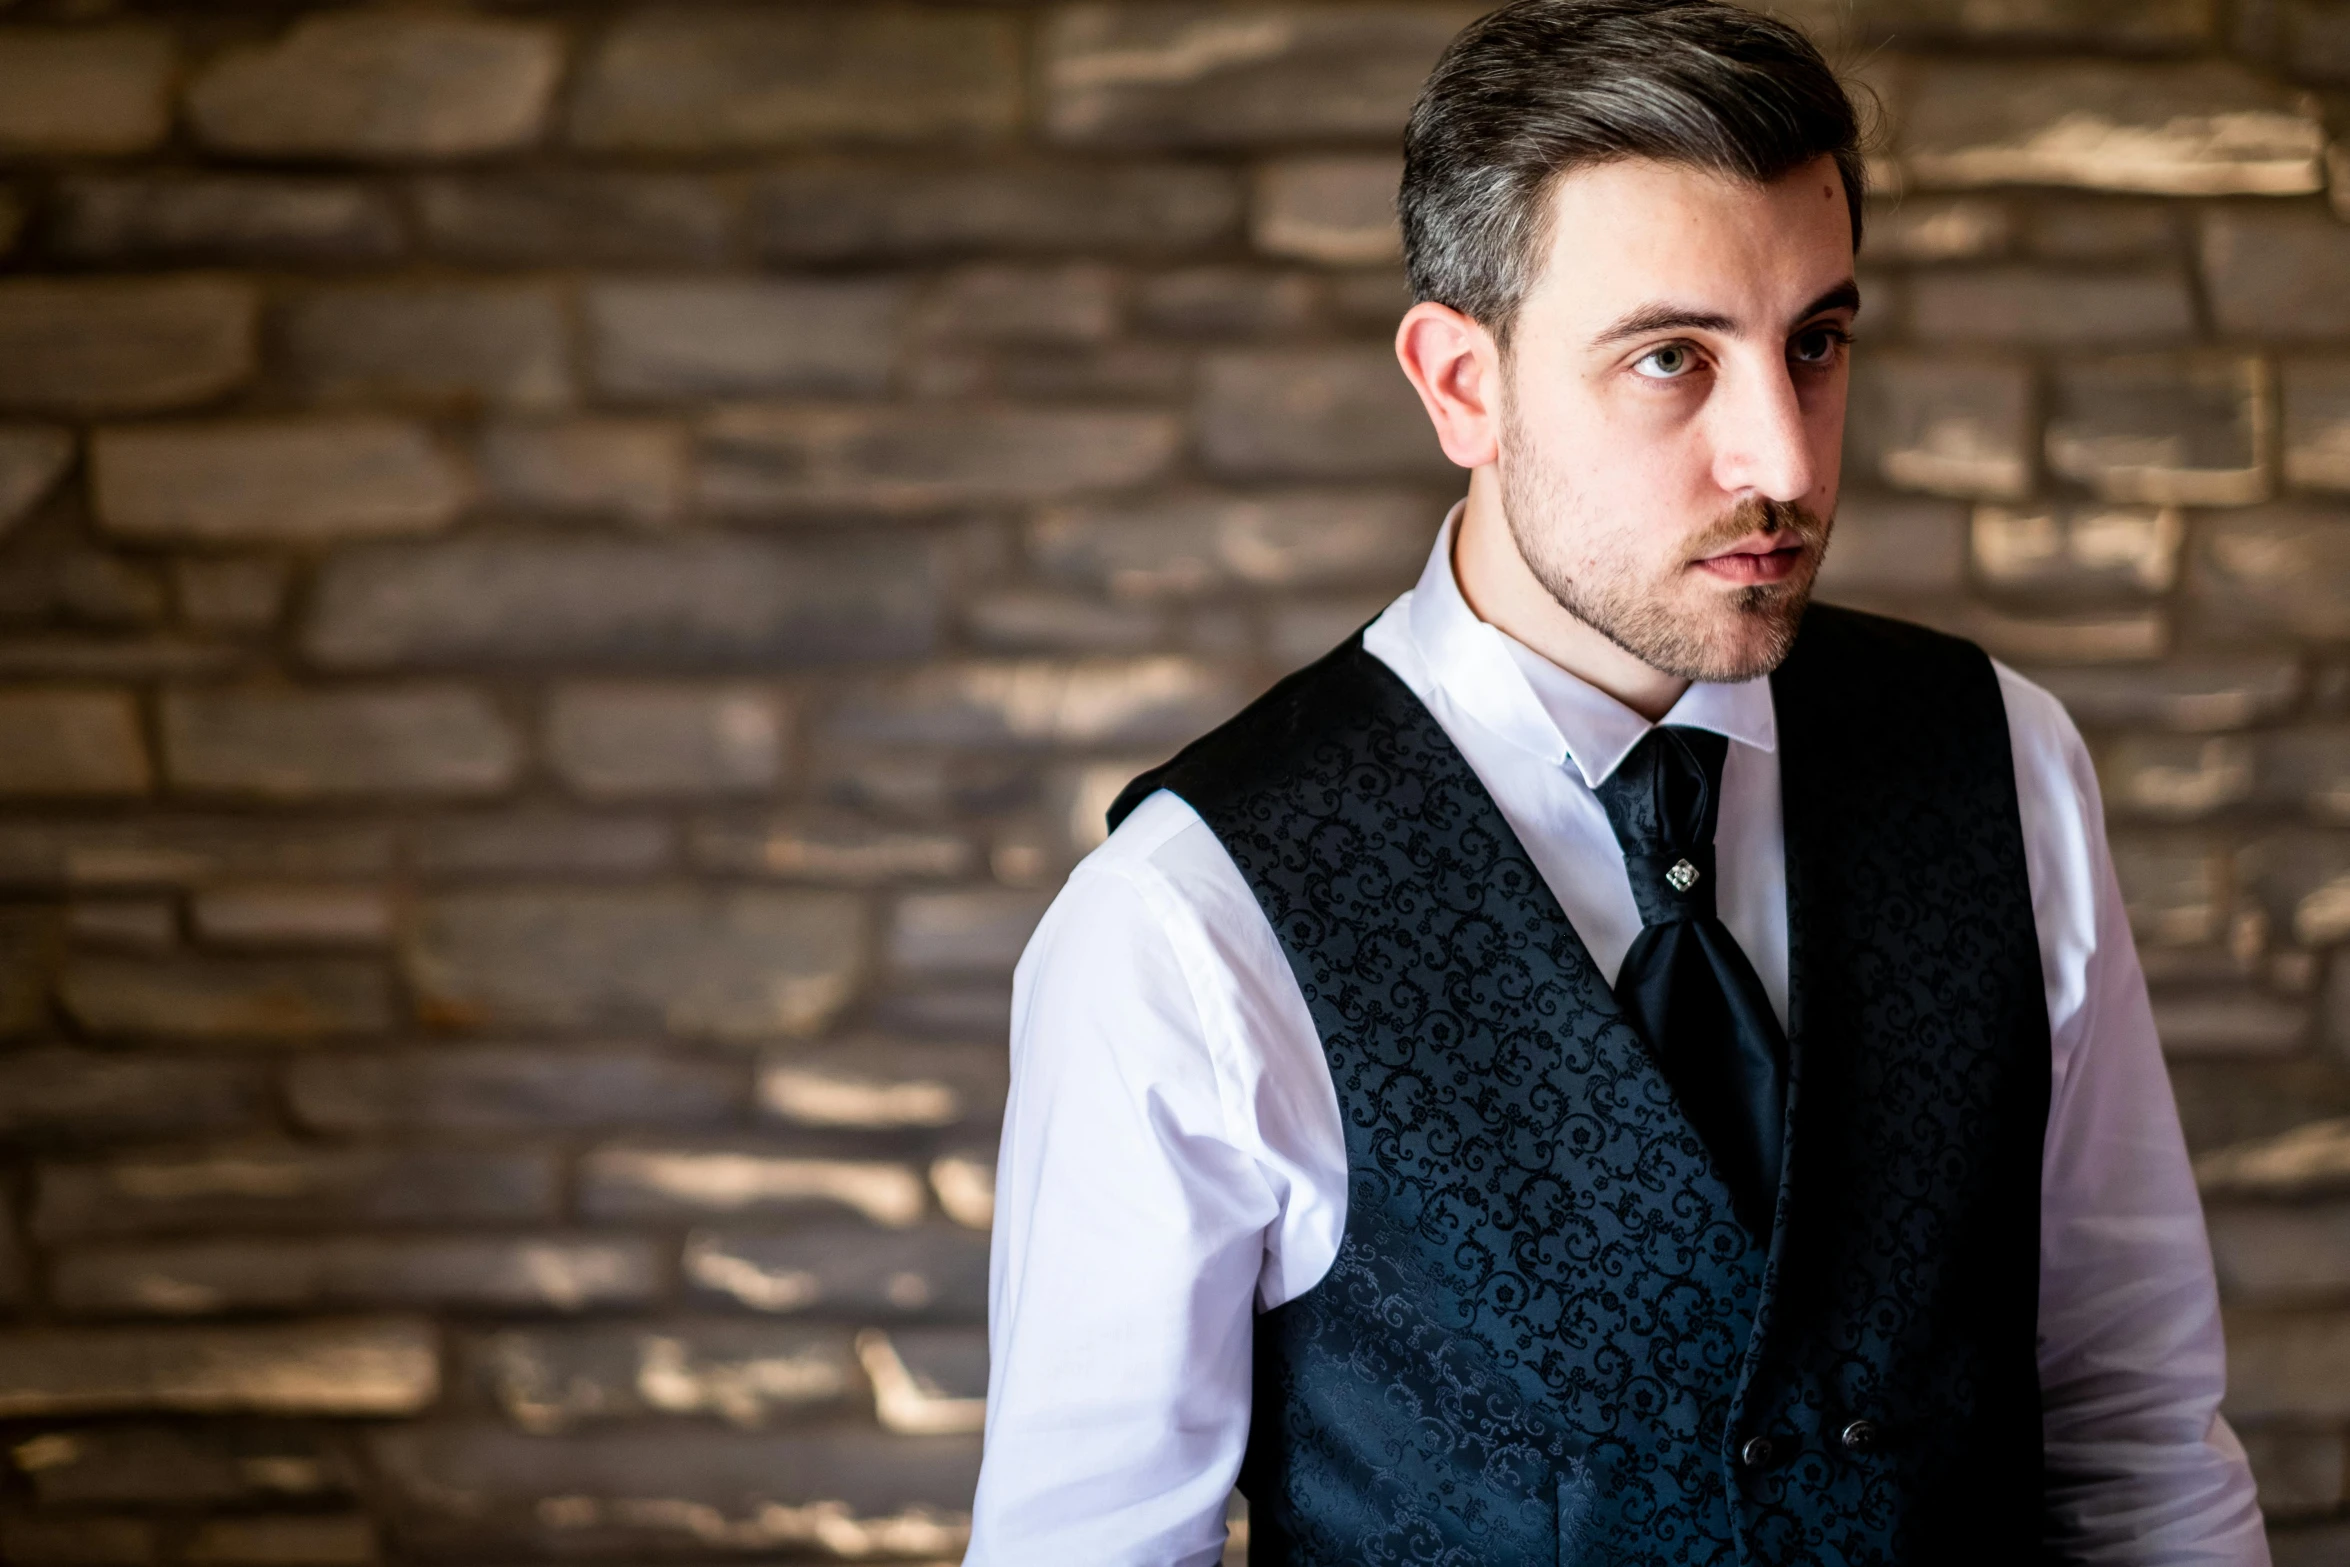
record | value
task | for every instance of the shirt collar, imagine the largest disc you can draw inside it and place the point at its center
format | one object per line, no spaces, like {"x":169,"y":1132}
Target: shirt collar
{"x":1539,"y":707}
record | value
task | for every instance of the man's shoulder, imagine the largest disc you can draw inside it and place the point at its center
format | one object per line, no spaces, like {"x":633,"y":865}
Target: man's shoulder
{"x":2052,"y":767}
{"x":1849,"y":664}
{"x":1157,"y":918}
{"x":1152,"y":844}
{"x":1882,"y":648}
{"x":1938,"y":699}
{"x":1160,"y":859}
{"x":1263,"y":741}
{"x":2034,"y":712}
{"x":1843,"y":634}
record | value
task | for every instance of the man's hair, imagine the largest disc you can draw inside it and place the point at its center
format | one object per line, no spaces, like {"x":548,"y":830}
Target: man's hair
{"x":1542,"y":87}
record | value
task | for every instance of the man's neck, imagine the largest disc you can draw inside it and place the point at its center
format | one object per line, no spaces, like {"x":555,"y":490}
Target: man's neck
{"x":1502,"y":591}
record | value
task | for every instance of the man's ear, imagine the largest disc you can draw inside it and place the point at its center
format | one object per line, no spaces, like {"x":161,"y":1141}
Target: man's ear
{"x":1455,"y":366}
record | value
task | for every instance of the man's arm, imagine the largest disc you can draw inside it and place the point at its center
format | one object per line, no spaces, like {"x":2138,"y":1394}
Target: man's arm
{"x":2141,"y":1469}
{"x":1130,"y":1233}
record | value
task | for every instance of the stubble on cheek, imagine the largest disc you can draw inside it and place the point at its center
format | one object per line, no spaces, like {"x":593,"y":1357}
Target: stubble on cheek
{"x":1669,"y":614}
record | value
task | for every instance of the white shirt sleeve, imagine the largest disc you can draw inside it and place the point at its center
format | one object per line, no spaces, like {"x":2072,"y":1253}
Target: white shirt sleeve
{"x":1170,"y":1139}
{"x":2141,"y":1468}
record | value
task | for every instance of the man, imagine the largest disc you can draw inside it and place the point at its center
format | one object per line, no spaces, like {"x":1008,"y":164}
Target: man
{"x":1535,"y":1089}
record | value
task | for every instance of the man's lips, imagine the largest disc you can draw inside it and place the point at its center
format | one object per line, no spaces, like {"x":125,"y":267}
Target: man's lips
{"x":1757,"y":560}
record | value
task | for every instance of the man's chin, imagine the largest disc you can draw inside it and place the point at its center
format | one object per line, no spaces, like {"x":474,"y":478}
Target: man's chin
{"x":1691,"y":625}
{"x":1727,"y":638}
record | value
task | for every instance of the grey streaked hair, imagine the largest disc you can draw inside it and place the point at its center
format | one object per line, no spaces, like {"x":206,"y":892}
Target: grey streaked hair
{"x":1541,"y":87}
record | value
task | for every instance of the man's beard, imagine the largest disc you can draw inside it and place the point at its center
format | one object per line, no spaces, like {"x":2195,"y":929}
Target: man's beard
{"x":1753,"y":627}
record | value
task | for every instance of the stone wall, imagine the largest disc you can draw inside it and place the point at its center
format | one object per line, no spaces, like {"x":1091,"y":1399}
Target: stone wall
{"x":575,"y":574}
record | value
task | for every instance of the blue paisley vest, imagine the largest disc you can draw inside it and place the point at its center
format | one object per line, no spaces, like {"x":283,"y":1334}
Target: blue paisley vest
{"x":1545,"y":1338}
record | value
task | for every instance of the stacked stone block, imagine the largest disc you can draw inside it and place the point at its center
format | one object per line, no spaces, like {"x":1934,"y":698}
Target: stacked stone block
{"x":572,"y":577}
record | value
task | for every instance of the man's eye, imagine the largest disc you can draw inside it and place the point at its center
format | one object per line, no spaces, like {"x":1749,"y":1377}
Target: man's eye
{"x":1668,"y":363}
{"x":1818,"y":345}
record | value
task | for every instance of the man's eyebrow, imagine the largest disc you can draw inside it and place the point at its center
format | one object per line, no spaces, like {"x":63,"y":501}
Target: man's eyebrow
{"x":1844,"y":296}
{"x":1662,"y":317}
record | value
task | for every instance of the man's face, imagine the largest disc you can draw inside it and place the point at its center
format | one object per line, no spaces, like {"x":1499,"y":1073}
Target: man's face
{"x":1673,"y":408}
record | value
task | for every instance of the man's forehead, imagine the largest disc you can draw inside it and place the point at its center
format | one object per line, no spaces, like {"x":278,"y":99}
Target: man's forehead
{"x":1635,"y":231}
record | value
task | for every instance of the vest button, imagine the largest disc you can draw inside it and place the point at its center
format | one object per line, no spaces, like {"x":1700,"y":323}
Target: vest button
{"x":1860,"y":1436}
{"x":1757,"y":1452}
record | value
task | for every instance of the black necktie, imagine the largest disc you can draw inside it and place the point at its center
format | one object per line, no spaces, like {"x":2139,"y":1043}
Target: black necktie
{"x":1685,"y":984}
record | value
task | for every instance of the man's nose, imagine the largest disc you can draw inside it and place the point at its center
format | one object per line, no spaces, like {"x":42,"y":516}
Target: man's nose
{"x":1761,"y":443}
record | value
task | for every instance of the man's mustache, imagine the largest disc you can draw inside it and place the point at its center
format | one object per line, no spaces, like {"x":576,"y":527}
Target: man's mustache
{"x":1767,"y":517}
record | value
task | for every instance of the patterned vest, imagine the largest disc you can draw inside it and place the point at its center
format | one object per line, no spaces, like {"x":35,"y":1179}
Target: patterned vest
{"x":1545,"y":1337}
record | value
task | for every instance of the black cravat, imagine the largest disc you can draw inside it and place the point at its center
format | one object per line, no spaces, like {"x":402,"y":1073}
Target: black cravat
{"x":1685,"y":984}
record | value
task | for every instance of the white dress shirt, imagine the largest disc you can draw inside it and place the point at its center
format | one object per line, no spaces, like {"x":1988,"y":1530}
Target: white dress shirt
{"x":1173,"y":1160}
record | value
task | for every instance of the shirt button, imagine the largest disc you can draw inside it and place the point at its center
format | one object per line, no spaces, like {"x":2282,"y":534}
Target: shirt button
{"x":1757,"y":1452}
{"x":1860,"y":1436}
